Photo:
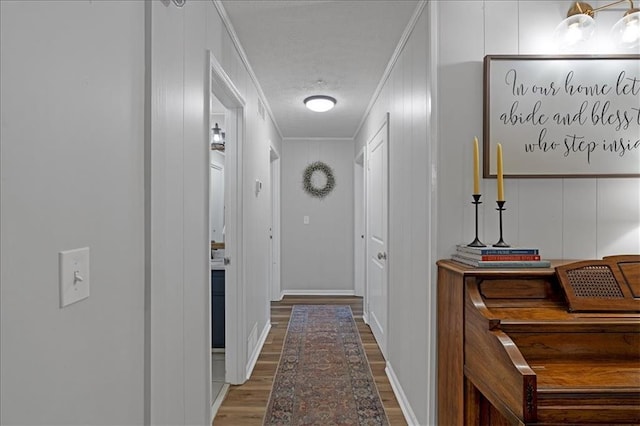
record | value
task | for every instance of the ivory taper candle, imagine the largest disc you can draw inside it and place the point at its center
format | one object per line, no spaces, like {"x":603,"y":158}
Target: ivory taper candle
{"x":500,"y":179}
{"x":476,"y":167}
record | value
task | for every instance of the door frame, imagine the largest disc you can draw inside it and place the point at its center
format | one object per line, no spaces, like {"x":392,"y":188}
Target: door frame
{"x":221,"y":86}
{"x":359,"y":225}
{"x":274,"y":270}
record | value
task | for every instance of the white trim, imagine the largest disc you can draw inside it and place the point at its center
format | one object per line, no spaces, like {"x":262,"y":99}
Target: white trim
{"x":360,"y":155}
{"x":245,"y":60}
{"x":272,"y":147}
{"x":222,"y":87}
{"x":218,"y":401}
{"x":318,"y":293}
{"x":315,"y":138}
{"x":409,"y":416}
{"x":433,"y":116}
{"x":392,"y":62}
{"x":275,"y":267}
{"x":256,"y":351}
{"x":359,"y":224}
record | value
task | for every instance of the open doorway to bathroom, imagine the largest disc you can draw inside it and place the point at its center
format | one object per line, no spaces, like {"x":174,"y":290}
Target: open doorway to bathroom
{"x":217,"y":160}
{"x":226,"y":300}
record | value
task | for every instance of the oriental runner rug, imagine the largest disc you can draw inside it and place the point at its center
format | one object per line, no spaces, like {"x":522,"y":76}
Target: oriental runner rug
{"x":323,"y":377}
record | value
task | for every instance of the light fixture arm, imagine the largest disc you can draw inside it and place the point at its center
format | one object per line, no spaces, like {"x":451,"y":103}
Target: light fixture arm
{"x":613,"y":4}
{"x":587,"y":9}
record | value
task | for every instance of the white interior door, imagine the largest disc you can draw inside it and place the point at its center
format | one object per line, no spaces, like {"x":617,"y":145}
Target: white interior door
{"x":216,"y":202}
{"x":377,"y":214}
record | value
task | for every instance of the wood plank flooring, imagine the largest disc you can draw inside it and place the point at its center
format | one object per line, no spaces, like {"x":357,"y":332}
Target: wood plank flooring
{"x":246,"y":404}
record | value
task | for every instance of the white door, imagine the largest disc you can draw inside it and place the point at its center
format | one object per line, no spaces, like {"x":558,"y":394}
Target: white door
{"x":216,"y":201}
{"x":377,"y":213}
{"x":235,"y":350}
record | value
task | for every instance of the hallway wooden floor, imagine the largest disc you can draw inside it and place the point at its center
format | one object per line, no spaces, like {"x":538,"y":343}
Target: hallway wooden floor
{"x":247,"y":403}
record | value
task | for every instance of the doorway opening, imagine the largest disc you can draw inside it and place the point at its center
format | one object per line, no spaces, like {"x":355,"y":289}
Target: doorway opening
{"x":226,"y":304}
{"x":217,"y":160}
{"x":274,"y":230}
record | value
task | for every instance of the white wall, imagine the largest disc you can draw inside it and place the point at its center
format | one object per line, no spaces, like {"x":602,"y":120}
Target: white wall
{"x":179,"y":153}
{"x":578,"y":218}
{"x":71,"y":175}
{"x":567,"y":218}
{"x":83,"y":165}
{"x":318,"y":257}
{"x":405,"y":96}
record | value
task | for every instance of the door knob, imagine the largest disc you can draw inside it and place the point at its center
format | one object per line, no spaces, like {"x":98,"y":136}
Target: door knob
{"x":382,"y":255}
{"x":227,"y":260}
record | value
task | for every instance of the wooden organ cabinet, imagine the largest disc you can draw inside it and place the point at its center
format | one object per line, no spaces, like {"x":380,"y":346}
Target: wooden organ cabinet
{"x":539,"y":346}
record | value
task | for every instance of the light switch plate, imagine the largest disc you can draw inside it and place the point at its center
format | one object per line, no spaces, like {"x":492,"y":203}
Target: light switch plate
{"x":305,"y":220}
{"x":73,"y":275}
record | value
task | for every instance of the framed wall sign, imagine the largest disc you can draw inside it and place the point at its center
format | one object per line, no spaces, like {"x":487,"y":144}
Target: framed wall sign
{"x":562,"y":116}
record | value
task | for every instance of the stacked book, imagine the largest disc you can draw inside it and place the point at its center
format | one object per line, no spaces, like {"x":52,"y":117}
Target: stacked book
{"x":500,"y":257}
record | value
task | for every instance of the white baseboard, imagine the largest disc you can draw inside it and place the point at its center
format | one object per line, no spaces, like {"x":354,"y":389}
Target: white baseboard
{"x":318,"y":292}
{"x":258,"y":348}
{"x":218,"y":401}
{"x":409,"y":415}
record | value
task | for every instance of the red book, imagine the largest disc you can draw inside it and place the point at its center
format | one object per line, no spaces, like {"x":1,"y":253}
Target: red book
{"x":507,"y":257}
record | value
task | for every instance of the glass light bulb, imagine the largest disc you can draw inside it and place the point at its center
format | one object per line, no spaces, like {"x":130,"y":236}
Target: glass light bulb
{"x":626,"y":32}
{"x":631,"y":34}
{"x":573,"y":30}
{"x":573,"y":34}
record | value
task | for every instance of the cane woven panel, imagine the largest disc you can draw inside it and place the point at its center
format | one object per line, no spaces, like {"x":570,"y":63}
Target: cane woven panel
{"x":599,"y":285}
{"x":594,"y":281}
{"x":630,"y":267}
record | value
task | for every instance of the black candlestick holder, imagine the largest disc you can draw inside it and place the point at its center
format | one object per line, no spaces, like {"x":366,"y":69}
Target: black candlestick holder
{"x":500,"y":209}
{"x":476,"y":242}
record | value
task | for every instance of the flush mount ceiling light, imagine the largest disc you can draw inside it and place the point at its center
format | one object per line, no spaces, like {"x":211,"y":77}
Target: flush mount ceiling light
{"x":580,"y":25}
{"x":320,"y":103}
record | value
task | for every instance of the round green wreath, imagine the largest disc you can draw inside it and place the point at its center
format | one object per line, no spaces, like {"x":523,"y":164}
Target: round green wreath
{"x":307,"y":185}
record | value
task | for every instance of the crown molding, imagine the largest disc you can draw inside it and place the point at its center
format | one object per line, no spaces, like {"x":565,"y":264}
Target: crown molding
{"x":245,"y":60}
{"x":315,"y":139}
{"x":392,"y":62}
{"x":385,"y":76}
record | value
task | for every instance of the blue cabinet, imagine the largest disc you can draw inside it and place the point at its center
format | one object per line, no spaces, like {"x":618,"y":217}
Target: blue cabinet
{"x":217,"y":308}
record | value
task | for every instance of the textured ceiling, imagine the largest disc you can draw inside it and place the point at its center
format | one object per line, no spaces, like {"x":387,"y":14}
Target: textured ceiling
{"x":300,"y":48}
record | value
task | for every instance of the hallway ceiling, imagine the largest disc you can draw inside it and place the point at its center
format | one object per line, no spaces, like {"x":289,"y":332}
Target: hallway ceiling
{"x":299,"y":48}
